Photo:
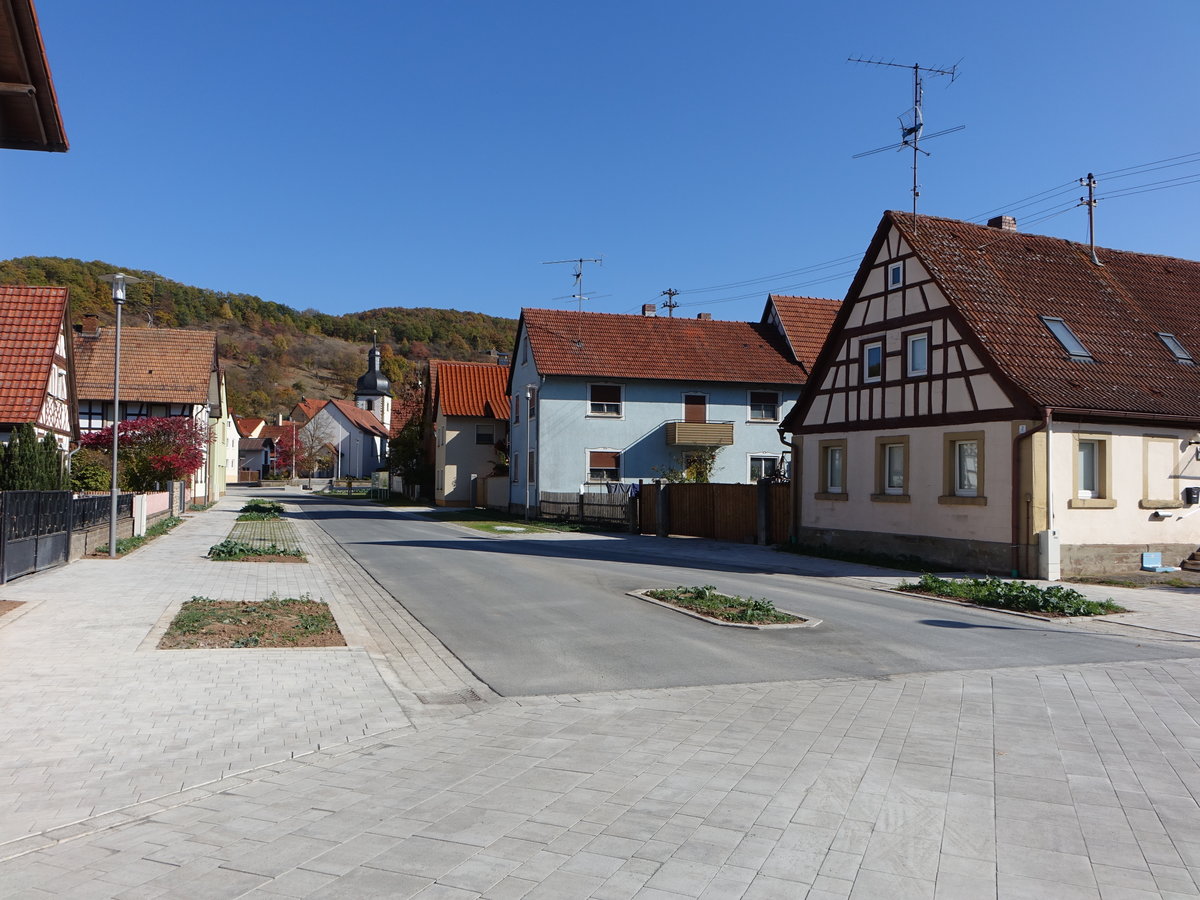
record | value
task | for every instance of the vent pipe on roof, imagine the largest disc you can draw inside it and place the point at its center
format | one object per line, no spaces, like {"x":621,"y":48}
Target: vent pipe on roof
{"x":649,"y":310}
{"x":1004,"y":223}
{"x":705,"y":316}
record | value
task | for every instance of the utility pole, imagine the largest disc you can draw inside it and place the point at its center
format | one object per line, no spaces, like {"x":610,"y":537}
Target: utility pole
{"x":669,"y":304}
{"x":1090,"y":202}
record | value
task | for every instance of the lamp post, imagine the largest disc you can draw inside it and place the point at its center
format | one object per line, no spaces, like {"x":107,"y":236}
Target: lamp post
{"x":118,"y":282}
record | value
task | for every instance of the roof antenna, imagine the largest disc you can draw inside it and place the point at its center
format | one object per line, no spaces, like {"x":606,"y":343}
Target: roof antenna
{"x":912,"y":123}
{"x":669,"y":304}
{"x":1090,"y":202}
{"x":579,"y":296}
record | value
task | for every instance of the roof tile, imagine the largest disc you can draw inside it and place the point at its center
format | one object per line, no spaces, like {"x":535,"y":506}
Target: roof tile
{"x":31,"y":319}
{"x":158,"y":365}
{"x":471,"y":389}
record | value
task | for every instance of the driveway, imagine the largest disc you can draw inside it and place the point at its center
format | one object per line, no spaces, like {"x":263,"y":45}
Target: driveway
{"x":550,"y":614}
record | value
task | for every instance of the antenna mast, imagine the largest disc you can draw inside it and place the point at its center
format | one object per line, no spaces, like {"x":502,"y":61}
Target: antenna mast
{"x":912,"y":123}
{"x":578,"y":296}
{"x":669,"y":304}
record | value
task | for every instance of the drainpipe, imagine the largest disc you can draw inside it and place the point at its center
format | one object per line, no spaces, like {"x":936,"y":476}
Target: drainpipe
{"x":1047,"y":419}
{"x":794,"y":525}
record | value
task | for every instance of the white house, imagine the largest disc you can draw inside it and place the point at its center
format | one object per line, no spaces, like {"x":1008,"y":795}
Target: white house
{"x":599,"y":399}
{"x":1005,"y":402}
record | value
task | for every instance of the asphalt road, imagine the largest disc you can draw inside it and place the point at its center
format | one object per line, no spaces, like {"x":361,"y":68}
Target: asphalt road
{"x":531,"y":615}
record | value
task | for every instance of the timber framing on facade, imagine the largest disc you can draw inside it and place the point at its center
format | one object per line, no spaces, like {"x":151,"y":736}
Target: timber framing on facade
{"x":1002,"y":401}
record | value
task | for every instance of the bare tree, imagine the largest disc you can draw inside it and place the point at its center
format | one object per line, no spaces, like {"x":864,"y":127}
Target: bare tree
{"x":314,"y":444}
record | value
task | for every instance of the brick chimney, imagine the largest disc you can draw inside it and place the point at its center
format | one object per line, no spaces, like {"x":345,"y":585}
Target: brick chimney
{"x":90,"y":328}
{"x":704,"y":316}
{"x":1004,"y":223}
{"x":649,"y":310}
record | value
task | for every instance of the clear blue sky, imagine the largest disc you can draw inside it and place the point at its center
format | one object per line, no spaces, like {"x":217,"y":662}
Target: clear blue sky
{"x":346,"y":156}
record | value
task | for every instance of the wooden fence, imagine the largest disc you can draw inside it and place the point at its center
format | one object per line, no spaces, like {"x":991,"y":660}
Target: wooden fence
{"x":615,"y":510}
{"x":745,"y":513}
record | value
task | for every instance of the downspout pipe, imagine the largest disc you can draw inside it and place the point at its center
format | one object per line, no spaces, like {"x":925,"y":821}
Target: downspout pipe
{"x":1015,"y":503}
{"x":794,"y":525}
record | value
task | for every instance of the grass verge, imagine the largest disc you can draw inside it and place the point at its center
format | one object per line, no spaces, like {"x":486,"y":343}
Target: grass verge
{"x":708,"y":601}
{"x":231,"y":550}
{"x":203,"y":623}
{"x":1021,"y":596}
{"x":126,"y":545}
{"x":260,"y":511}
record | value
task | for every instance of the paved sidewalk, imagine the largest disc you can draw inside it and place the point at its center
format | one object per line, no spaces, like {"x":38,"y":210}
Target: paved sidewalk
{"x":1055,"y":782}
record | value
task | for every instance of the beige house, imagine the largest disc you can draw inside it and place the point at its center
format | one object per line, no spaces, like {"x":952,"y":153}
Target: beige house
{"x":468,"y":411}
{"x":1005,"y":402}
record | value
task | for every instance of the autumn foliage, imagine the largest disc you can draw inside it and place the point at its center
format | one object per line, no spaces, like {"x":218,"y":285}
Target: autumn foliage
{"x":151,"y":452}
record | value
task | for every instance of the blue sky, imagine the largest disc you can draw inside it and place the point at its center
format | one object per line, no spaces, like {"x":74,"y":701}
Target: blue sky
{"x":356,"y":155}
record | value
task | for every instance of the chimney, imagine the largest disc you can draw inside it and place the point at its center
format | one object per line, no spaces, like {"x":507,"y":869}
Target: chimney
{"x":279,"y":418}
{"x":706,"y":317}
{"x":90,"y":327}
{"x":1004,"y":223}
{"x":649,"y":310}
{"x":503,"y":359}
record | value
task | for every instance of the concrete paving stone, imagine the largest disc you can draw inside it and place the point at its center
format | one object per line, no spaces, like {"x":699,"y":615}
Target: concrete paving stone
{"x":509,"y":889}
{"x":1121,"y":876}
{"x":1048,"y":865}
{"x":296,"y":883}
{"x":422,"y":857}
{"x":1021,"y":887}
{"x":1174,"y":878}
{"x":438,"y":891}
{"x":479,"y":873}
{"x":1061,"y":837}
{"x":683,"y":877}
{"x":371,"y":883}
{"x":871,"y":885}
{"x":955,"y":886}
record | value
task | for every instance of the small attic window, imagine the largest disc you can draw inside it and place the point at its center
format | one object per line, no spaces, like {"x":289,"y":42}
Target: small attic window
{"x":1176,"y":348}
{"x":1067,"y":338}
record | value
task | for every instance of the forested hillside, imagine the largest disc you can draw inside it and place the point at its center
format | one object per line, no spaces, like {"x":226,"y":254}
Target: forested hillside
{"x":274,"y":354}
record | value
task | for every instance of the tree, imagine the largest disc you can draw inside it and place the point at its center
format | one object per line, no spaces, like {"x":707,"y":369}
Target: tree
{"x":151,"y":452}
{"x":693,"y":467}
{"x":30,"y":464}
{"x":307,"y":447}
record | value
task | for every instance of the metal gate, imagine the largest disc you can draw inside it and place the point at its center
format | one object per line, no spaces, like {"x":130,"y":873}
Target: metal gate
{"x":35,"y":531}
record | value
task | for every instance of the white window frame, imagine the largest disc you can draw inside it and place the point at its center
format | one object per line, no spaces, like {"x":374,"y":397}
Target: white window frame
{"x":589,"y":468}
{"x":910,"y":343}
{"x":771,"y":458}
{"x":1088,"y":468}
{"x":867,"y":347}
{"x":750,"y":406}
{"x":960,"y":489}
{"x":890,"y":451}
{"x":895,"y":275}
{"x":609,"y":414}
{"x":93,"y":415}
{"x":831,"y":486}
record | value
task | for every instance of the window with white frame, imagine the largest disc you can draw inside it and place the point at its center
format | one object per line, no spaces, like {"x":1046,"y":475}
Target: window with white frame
{"x":604,"y":465}
{"x":893,"y":468}
{"x":896,"y":275}
{"x":604,"y":400}
{"x":764,"y":406}
{"x":835,"y":469}
{"x":135,"y":411}
{"x":917,"y":354}
{"x":966,"y":468}
{"x":91,"y":415}
{"x":872,"y":361}
{"x":763,"y":467}
{"x":1087,"y":461}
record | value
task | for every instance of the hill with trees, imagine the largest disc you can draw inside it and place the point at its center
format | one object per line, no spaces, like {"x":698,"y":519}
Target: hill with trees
{"x":274,"y":354}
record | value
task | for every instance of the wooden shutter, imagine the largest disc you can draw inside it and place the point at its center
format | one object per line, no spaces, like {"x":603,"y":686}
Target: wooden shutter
{"x":695,"y":408}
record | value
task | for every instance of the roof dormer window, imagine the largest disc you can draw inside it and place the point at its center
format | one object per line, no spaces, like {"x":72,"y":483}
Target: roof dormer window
{"x":1065,"y":336}
{"x":1177,"y":349}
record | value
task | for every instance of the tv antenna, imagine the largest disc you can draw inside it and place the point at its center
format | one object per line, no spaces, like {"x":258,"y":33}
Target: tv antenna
{"x":670,"y":305}
{"x":578,"y":295}
{"x":912,"y":122}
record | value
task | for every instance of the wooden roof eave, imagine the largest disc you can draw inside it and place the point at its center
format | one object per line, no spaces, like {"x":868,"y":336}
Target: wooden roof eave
{"x":30,"y":118}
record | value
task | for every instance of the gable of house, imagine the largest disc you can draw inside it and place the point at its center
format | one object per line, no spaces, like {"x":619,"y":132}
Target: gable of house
{"x":470,"y":389}
{"x":35,"y":357}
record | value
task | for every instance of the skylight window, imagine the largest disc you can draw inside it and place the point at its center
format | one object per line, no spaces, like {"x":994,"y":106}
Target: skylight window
{"x":1176,"y":348}
{"x":1067,"y":338}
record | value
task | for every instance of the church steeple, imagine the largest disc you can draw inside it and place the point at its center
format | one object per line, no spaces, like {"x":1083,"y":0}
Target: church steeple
{"x":373,"y":391}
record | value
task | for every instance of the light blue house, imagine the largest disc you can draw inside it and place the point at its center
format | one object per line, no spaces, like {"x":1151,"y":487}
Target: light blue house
{"x":599,"y":399}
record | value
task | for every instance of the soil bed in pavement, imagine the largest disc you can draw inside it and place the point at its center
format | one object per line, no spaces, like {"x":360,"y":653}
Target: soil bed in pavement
{"x":203,"y":624}
{"x":8,"y":606}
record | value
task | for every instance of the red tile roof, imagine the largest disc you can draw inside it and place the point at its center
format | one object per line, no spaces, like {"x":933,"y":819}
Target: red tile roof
{"x":31,"y":319}
{"x":471,"y":389}
{"x":247,"y":425}
{"x":604,"y":345}
{"x":278,"y":432}
{"x":158,"y":365}
{"x":307,"y":408}
{"x":367,"y":421}
{"x":1002,"y":281}
{"x":806,"y":322}
{"x":405,"y":411}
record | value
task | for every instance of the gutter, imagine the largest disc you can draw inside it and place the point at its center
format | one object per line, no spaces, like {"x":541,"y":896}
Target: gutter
{"x":1047,"y":419}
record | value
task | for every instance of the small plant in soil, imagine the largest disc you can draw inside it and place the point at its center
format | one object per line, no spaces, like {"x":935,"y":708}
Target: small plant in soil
{"x":230,"y":549}
{"x":708,"y":601}
{"x":260,"y":511}
{"x":1022,"y":596}
{"x":204,"y":623}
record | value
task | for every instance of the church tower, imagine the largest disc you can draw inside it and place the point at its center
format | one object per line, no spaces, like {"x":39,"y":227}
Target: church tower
{"x":373,"y":391}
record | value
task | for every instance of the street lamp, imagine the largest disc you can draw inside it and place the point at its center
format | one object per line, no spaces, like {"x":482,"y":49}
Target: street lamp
{"x":118,"y":282}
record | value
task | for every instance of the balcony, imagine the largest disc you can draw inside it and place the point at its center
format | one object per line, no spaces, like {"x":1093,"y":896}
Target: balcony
{"x":699,"y":434}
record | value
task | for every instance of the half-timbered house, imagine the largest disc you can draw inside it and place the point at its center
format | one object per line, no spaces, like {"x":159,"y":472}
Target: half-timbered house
{"x":1005,"y":402}
{"x":37,"y":384}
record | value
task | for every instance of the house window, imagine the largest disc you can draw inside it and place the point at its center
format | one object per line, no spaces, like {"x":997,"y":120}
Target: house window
{"x":763,"y":467}
{"x":1065,"y":336}
{"x":135,"y":411}
{"x":91,"y":415}
{"x":370,"y":405}
{"x":891,"y":469}
{"x":1177,"y":349}
{"x":764,"y":406}
{"x":1091,"y":473}
{"x":485,"y":434}
{"x":516,"y":467}
{"x":604,"y":400}
{"x":533,"y":399}
{"x":604,"y":465}
{"x":832,"y":458}
{"x":966,"y":468}
{"x":918,"y":354}
{"x":896,"y":275}
{"x":872,"y":361}
{"x":516,"y":405}
{"x":532,"y":473}
{"x":177,"y":409}
{"x":695,"y":408}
